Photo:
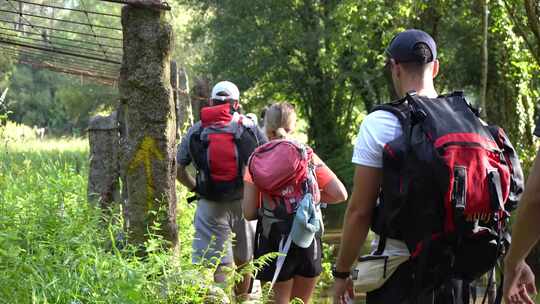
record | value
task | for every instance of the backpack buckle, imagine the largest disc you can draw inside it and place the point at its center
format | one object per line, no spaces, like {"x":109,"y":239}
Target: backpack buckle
{"x":417,"y":114}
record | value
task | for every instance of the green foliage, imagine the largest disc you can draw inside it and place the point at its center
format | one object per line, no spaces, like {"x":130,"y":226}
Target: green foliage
{"x":58,"y":102}
{"x":513,"y":87}
{"x":326,"y":280}
{"x":55,"y":248}
{"x":328,"y":57}
{"x":316,"y":54}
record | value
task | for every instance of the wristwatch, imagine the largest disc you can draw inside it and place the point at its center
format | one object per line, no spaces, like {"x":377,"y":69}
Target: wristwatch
{"x":340,"y":274}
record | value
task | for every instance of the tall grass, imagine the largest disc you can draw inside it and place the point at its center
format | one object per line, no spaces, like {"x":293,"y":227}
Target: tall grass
{"x":56,"y":248}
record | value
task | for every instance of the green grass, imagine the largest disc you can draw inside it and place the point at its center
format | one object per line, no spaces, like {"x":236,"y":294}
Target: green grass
{"x":56,"y":248}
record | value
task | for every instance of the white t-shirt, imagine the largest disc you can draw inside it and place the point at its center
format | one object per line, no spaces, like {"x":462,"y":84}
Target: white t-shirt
{"x":377,"y":129}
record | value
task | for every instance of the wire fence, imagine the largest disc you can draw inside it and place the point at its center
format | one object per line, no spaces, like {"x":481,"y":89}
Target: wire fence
{"x":72,"y":37}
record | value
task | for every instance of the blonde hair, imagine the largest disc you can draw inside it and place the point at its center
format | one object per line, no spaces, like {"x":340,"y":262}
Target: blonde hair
{"x":278,"y":118}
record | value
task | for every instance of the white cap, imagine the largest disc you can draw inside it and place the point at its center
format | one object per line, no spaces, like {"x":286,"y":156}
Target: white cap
{"x":225,"y":90}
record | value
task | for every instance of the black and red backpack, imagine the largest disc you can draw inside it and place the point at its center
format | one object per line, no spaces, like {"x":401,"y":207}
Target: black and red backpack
{"x":220,"y":149}
{"x":449,"y":184}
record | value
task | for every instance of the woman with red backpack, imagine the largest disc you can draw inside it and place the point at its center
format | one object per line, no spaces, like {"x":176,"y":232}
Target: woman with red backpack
{"x":283,"y":188}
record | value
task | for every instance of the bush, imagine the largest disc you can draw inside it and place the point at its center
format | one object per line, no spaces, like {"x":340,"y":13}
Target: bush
{"x":56,"y":248}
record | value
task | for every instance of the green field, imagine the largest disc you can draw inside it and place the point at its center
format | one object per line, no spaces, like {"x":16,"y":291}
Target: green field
{"x":55,"y":248}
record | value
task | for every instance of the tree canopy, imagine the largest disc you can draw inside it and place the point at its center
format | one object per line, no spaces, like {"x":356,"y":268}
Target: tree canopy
{"x":328,"y":57}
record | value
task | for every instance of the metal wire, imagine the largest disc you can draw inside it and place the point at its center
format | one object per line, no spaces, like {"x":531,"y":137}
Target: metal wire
{"x":94,"y":51}
{"x":93,"y":32}
{"x":21,"y":17}
{"x":59,"y":20}
{"x":62,"y":69}
{"x":70,"y":54}
{"x":37,"y":47}
{"x":97,"y":78}
{"x":80,"y":63}
{"x":67,"y":70}
{"x":59,"y":64}
{"x":85,"y":65}
{"x":58,"y":37}
{"x":33,"y":26}
{"x":67,"y":9}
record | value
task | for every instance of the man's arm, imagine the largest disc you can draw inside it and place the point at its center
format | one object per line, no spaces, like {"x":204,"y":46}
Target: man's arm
{"x":519,"y":279}
{"x":185,"y":178}
{"x":367,"y":182}
{"x":183,"y":158}
{"x":250,"y":201}
{"x":526,"y":230}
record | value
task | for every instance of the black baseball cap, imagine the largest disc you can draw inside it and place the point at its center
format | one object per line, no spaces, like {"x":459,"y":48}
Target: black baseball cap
{"x":402,"y":46}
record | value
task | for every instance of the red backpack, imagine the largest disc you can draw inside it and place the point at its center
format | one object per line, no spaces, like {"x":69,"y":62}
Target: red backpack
{"x":220,"y":149}
{"x":283,"y":171}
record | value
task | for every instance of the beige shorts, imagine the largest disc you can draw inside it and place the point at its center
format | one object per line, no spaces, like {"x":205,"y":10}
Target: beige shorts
{"x":215,"y":224}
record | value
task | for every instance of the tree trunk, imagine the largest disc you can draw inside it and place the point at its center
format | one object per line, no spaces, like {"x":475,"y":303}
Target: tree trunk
{"x":533,"y":19}
{"x":484,"y":57}
{"x":151,"y":122}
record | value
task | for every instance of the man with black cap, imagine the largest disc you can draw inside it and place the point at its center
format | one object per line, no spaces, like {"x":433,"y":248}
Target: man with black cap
{"x":412,"y":62}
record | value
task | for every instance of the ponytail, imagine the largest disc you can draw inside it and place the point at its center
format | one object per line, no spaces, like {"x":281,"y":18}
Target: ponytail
{"x":280,"y":133}
{"x":278,"y":118}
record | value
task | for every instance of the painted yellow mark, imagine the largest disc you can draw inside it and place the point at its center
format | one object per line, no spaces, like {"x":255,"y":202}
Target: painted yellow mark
{"x":147,"y":150}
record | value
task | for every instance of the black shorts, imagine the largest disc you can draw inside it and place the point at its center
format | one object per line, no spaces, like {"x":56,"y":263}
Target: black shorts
{"x":305,"y":262}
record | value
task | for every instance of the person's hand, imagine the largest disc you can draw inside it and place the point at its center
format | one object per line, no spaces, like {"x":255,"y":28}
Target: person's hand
{"x":518,"y":283}
{"x":343,"y":291}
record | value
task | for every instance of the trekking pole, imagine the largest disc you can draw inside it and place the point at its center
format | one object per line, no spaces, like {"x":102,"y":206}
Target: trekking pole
{"x":492,"y":291}
{"x":491,"y":288}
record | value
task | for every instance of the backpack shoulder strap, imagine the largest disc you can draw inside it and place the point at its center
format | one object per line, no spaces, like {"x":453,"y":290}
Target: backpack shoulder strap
{"x":400,"y":109}
{"x":195,"y":134}
{"x":461,"y":95}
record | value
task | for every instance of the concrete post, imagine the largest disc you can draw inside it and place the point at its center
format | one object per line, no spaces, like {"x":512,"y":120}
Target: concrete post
{"x":185,"y":113}
{"x":103,"y":186}
{"x":199,"y":97}
{"x":174,"y":85}
{"x":151,"y":124}
{"x":182,"y":99}
{"x":122,"y":159}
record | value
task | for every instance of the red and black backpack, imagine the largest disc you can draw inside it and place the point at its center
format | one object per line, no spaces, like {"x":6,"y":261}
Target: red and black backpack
{"x":449,"y":183}
{"x":220,"y":149}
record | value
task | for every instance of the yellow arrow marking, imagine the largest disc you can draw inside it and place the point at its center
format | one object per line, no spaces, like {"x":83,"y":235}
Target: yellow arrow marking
{"x":147,"y":150}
